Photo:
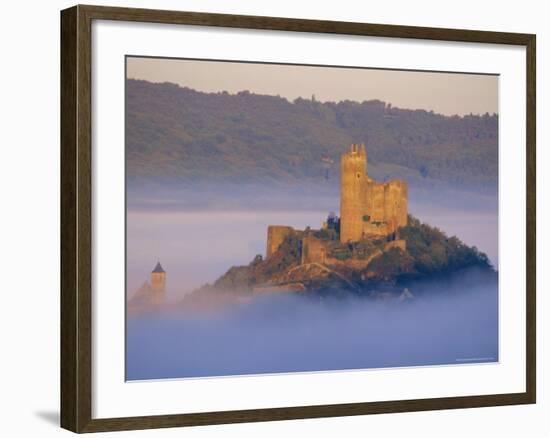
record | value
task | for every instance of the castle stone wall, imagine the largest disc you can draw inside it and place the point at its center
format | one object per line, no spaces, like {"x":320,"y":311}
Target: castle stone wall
{"x":376,"y":229}
{"x":375,"y":202}
{"x":396,"y":194}
{"x":400,"y":244}
{"x":313,"y":250}
{"x":276,"y":235}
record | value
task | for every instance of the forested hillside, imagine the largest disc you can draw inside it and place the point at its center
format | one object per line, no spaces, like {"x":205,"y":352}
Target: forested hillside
{"x":180,"y":134}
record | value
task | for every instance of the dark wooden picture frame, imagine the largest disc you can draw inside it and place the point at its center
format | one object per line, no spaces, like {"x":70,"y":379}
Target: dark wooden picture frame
{"x":76,"y":218}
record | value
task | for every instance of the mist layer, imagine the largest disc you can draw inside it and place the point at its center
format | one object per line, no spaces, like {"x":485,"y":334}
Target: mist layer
{"x":290,"y":333}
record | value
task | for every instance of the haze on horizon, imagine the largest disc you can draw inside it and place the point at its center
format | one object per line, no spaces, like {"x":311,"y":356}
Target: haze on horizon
{"x":441,"y":92}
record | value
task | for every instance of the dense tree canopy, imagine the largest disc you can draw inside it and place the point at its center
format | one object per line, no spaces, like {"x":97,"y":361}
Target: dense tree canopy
{"x":186,"y":135}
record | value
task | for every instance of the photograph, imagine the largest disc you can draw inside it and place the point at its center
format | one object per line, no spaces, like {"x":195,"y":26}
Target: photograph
{"x":291,"y":218}
{"x":249,"y":219}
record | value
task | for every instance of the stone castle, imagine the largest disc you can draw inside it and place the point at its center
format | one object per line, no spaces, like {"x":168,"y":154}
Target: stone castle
{"x":368,"y":210}
{"x":371,"y":214}
{"x":367,"y":207}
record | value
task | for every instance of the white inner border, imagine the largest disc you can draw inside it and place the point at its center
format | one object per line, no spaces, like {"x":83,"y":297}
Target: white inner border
{"x":113,"y":397}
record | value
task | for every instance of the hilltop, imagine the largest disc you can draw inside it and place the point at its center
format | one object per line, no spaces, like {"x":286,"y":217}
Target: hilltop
{"x":364,"y":269}
{"x":177,"y":134}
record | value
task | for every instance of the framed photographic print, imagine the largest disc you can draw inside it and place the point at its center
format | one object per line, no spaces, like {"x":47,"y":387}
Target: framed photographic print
{"x":269,"y":218}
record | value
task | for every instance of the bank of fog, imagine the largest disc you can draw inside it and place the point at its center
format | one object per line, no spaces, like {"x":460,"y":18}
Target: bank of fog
{"x":452,"y":324}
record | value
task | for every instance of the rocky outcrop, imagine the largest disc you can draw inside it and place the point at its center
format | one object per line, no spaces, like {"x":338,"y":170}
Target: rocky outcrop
{"x":422,"y":252}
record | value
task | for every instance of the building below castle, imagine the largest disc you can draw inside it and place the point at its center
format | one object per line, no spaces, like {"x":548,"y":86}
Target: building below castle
{"x":152,"y":293}
{"x":369,"y":210}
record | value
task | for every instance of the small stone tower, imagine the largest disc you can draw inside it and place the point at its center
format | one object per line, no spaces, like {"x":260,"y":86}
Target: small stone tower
{"x":158,"y":284}
{"x":354,"y":176}
{"x":276,"y":234}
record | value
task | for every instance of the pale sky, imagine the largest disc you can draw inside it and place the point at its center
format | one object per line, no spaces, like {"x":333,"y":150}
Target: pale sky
{"x":445,"y":93}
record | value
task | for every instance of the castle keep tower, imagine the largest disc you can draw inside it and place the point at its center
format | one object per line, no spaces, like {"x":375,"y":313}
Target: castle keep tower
{"x":353,"y":171}
{"x":158,"y":284}
{"x":367,"y":207}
